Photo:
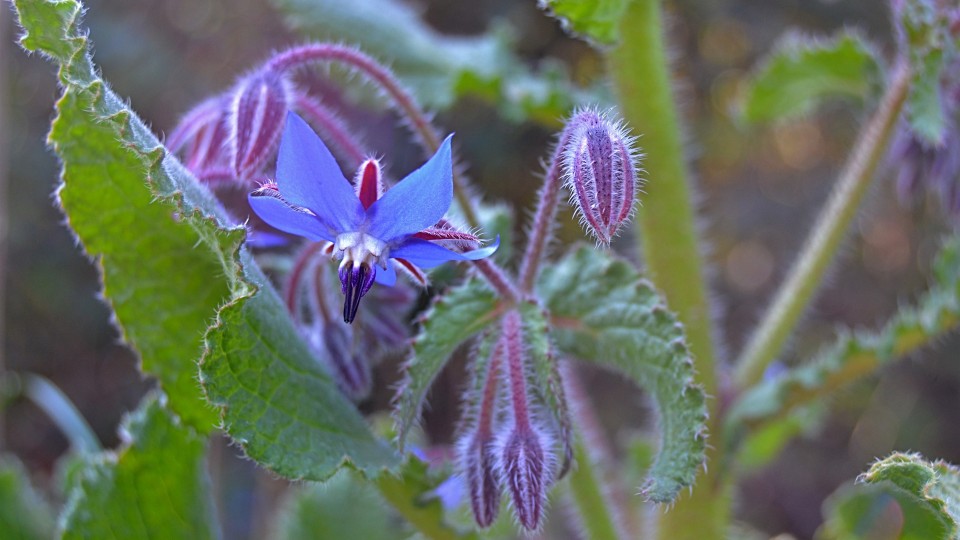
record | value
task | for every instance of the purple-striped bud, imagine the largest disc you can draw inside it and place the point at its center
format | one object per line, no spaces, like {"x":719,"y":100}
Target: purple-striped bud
{"x":257,"y":112}
{"x":478,"y":463}
{"x":600,"y":170}
{"x":201,"y":136}
{"x":526,"y":469}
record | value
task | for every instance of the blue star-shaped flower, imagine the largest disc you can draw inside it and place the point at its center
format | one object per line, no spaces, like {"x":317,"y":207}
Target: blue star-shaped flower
{"x":312,"y":199}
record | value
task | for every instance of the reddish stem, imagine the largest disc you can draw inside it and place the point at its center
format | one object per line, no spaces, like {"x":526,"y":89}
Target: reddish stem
{"x":540,"y":231}
{"x":296,"y":274}
{"x":513,"y":340}
{"x":498,"y":279}
{"x":488,"y":402}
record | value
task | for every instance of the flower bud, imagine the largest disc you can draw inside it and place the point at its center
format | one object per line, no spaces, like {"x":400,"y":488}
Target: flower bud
{"x":201,"y":135}
{"x":526,"y":468}
{"x":257,"y":114}
{"x":601,"y":173}
{"x":478,"y":464}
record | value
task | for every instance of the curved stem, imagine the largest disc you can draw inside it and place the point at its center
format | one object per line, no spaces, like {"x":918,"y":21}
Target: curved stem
{"x":498,"y":279}
{"x":419,"y":121}
{"x":542,"y":227}
{"x":821,"y":246}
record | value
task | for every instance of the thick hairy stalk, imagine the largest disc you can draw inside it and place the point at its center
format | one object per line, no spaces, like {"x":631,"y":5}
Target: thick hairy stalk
{"x":821,"y":246}
{"x":667,"y":225}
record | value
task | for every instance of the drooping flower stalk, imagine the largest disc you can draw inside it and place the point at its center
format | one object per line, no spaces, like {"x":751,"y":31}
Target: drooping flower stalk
{"x":524,"y":448}
{"x":476,"y":447}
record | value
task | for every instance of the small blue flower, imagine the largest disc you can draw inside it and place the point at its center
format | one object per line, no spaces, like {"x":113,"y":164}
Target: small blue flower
{"x":368,"y":226}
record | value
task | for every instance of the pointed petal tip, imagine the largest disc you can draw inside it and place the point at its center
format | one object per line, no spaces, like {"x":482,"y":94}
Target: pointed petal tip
{"x":483,"y":252}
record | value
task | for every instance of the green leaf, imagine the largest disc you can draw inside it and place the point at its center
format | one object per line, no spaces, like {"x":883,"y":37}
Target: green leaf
{"x":856,"y":355}
{"x":802,"y":73}
{"x":439,"y":68}
{"x":156,"y":486}
{"x":278,"y":402}
{"x":597,"y":20}
{"x":931,"y":49}
{"x":171,"y":258}
{"x":345,"y":506}
{"x":453,"y":318}
{"x":903,"y":488}
{"x":24,"y":514}
{"x":603,"y":312}
{"x":148,"y":260}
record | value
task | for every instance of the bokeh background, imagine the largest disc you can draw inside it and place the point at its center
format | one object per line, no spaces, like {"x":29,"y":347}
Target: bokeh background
{"x":760,"y":189}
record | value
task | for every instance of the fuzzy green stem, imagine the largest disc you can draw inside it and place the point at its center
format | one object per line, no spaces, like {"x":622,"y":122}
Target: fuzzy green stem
{"x":667,"y":221}
{"x":667,"y":225}
{"x":825,"y":238}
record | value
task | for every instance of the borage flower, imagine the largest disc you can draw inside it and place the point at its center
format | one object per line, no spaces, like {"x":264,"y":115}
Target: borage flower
{"x":368,"y":226}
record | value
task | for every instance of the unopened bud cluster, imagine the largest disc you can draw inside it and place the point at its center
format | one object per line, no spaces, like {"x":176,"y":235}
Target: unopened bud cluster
{"x":600,"y":171}
{"x":506,"y":447}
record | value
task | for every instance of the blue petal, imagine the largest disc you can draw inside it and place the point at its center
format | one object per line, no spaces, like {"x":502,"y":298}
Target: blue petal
{"x":279,"y":215}
{"x":386,"y":277}
{"x":308,"y":176}
{"x":416,"y":202}
{"x":427,"y":254}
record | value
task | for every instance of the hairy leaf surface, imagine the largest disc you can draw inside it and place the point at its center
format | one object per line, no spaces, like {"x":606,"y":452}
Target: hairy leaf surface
{"x":453,"y":318}
{"x":858,"y":354}
{"x":171,"y":258}
{"x":922,"y":498}
{"x":598,"y":21}
{"x":604,"y":313}
{"x":802,"y":73}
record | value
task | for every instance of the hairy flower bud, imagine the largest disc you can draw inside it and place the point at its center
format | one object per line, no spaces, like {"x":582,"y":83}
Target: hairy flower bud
{"x":526,"y":468}
{"x":257,"y":114}
{"x":601,"y":173}
{"x":201,"y":135}
{"x":479,"y":465}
